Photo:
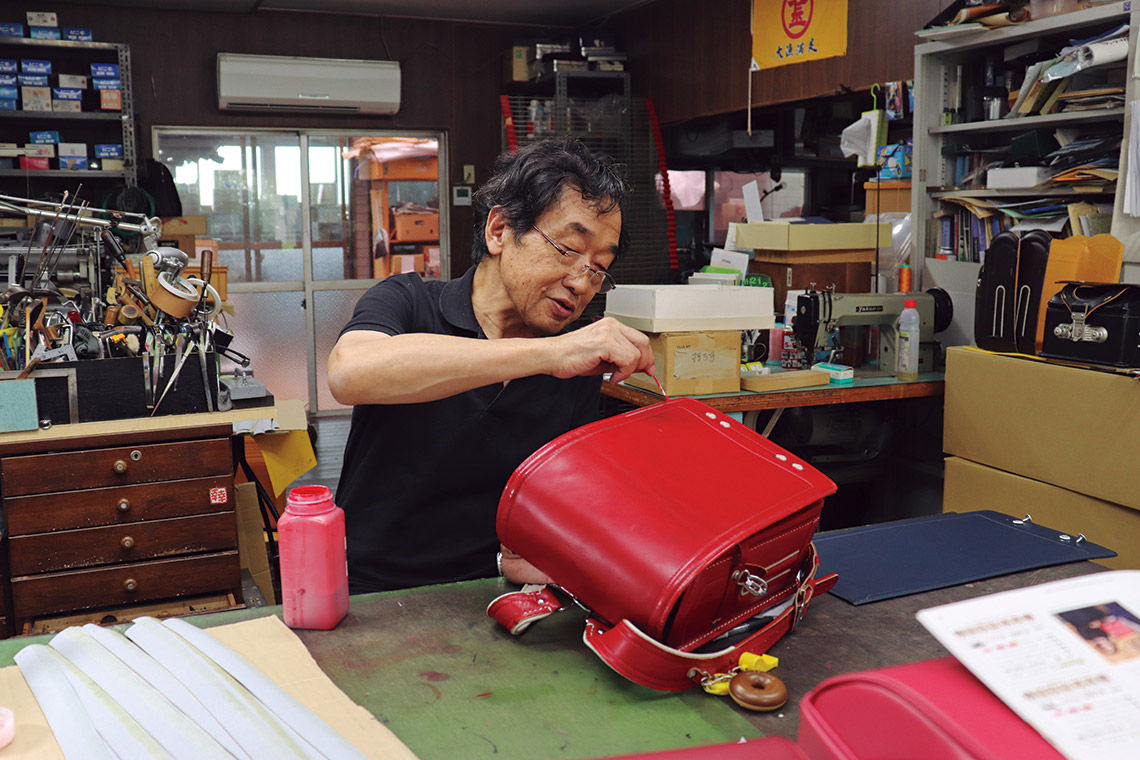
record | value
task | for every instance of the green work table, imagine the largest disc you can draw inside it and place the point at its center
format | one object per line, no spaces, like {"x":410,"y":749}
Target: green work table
{"x":451,"y":683}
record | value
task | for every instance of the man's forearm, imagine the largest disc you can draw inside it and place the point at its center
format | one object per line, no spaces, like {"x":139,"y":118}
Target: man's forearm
{"x":414,"y":368}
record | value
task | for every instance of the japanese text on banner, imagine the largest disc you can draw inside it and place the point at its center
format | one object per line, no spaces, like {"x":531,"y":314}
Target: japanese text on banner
{"x":793,"y":31}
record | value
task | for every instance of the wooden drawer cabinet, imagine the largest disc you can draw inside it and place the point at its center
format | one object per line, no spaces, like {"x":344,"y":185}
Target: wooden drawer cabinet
{"x":116,"y":521}
{"x":123,"y":584}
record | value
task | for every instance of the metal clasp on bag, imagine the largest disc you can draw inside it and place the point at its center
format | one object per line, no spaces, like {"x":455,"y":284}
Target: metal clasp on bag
{"x":1080,"y":332}
{"x":749,"y":583}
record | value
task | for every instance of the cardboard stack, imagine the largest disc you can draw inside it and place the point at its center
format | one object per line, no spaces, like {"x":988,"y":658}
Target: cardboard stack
{"x":1055,"y":442}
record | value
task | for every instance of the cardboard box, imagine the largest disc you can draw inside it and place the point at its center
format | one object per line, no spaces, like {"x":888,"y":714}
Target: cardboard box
{"x":42,"y":18}
{"x":78,"y":34}
{"x":971,"y":486}
{"x":785,"y":380}
{"x":518,"y":60}
{"x":104,"y":71}
{"x":415,"y":228}
{"x":686,"y":308}
{"x":694,"y":363}
{"x":1074,"y":428}
{"x":66,"y":106}
{"x":783,"y":236}
{"x":887,"y":196}
{"x":72,"y":80}
{"x":398,"y":263}
{"x":174,"y":225}
{"x":111,"y":100}
{"x":853,"y":276}
{"x":424,"y":168}
{"x":34,"y":66}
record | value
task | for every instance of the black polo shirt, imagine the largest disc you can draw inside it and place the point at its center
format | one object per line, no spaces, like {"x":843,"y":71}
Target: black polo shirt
{"x":421,"y":483}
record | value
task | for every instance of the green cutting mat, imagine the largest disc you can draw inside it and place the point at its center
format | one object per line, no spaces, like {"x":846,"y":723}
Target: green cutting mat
{"x":453,"y":684}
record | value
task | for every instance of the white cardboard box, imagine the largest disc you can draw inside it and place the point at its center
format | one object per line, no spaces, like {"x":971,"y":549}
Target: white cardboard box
{"x":1016,"y":177}
{"x":681,"y":308}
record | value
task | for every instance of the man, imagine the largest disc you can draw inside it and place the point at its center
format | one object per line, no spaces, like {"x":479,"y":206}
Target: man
{"x":454,"y":384}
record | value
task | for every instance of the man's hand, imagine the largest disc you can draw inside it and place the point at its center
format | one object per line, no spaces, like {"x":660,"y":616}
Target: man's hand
{"x":601,"y":347}
{"x":518,"y":570}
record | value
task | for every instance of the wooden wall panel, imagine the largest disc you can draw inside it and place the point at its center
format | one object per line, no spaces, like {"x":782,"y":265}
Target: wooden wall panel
{"x":692,"y":59}
{"x":451,"y":73}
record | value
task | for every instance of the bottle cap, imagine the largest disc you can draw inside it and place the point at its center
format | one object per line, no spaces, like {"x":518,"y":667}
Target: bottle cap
{"x":309,"y":500}
{"x":910,"y":303}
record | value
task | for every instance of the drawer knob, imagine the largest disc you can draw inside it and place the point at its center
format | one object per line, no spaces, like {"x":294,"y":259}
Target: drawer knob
{"x":120,"y":466}
{"x":130,"y":584}
{"x":127,"y":542}
{"x":124,"y":505}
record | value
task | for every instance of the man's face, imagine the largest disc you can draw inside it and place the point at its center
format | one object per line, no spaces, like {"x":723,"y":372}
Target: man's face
{"x":549,"y":290}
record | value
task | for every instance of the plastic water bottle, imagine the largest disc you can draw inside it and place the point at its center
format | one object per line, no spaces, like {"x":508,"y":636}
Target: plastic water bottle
{"x":314,"y":568}
{"x":906,"y":356}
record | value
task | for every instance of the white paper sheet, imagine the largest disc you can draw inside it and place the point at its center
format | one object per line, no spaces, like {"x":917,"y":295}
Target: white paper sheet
{"x":752,"y":209}
{"x":1065,"y":656}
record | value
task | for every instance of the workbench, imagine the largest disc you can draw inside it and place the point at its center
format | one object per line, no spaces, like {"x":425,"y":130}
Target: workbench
{"x":868,"y":385}
{"x":102,"y":516}
{"x":450,"y":683}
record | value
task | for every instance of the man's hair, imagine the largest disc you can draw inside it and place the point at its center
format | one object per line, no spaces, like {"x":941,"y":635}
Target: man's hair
{"x":526,"y":184}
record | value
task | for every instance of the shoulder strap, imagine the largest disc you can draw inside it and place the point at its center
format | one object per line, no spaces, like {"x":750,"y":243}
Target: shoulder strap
{"x":642,"y":659}
{"x":650,"y":663}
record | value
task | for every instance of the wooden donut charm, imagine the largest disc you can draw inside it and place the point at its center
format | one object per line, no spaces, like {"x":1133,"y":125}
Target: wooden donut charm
{"x":759,"y":691}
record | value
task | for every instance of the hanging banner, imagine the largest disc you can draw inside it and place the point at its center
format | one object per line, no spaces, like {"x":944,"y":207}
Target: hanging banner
{"x":793,"y":31}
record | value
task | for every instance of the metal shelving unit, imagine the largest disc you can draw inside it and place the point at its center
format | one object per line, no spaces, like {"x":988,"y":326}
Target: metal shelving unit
{"x":596,"y":107}
{"x":20,"y":47}
{"x":935,"y":72}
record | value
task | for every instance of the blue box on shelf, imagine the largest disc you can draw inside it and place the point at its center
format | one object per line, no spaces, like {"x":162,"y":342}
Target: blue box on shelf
{"x":35,"y":66}
{"x":8,"y":66}
{"x":33,"y":80}
{"x":108,"y":150}
{"x":106,"y":84}
{"x":78,"y":34}
{"x":66,"y":93}
{"x":11,"y":29}
{"x":43,"y":32}
{"x":105,"y":70}
{"x":43,"y":138}
{"x":896,"y":160}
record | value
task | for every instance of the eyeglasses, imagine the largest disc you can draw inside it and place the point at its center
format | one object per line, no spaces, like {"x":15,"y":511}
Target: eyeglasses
{"x":572,"y":260}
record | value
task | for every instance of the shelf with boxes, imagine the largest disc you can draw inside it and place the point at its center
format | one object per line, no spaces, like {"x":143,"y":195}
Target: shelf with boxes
{"x":66,"y":110}
{"x":1018,"y":127}
{"x":406,"y":232}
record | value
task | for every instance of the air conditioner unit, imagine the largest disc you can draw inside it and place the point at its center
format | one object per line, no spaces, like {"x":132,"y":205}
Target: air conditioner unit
{"x":287,"y":83}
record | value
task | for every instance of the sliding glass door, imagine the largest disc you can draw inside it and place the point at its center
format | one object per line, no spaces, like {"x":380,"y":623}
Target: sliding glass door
{"x":304,"y":221}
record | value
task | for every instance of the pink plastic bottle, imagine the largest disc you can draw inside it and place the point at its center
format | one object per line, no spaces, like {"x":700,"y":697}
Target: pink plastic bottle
{"x":314,"y":570}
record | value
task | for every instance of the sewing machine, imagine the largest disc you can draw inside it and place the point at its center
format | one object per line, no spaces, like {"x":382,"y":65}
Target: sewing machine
{"x":820,"y":315}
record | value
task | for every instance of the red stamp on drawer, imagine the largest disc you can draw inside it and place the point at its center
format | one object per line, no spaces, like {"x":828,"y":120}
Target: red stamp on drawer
{"x":219,"y":495}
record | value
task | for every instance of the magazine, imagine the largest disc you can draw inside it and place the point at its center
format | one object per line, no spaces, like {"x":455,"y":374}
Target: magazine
{"x":1064,"y":656}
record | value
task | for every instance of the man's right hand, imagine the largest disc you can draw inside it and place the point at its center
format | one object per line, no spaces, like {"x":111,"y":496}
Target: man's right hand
{"x":604,"y":346}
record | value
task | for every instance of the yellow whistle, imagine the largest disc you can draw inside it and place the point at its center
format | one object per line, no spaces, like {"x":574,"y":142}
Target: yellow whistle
{"x":761,"y":662}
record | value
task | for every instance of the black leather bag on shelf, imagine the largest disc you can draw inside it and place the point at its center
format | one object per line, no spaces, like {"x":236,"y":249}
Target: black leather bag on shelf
{"x":1008,"y":294}
{"x":1094,"y":323}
